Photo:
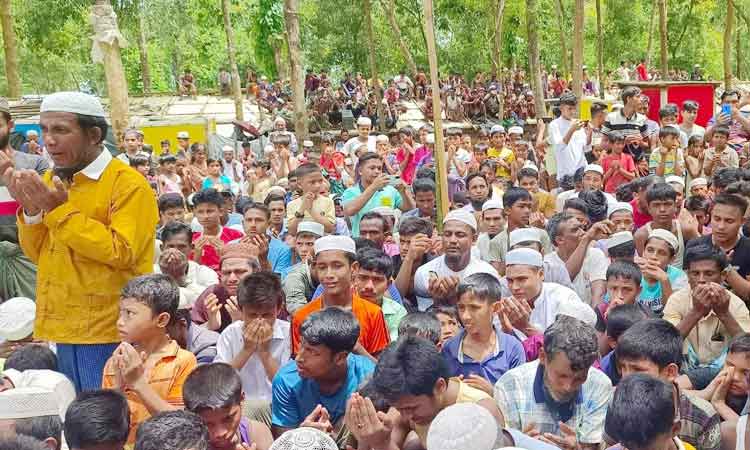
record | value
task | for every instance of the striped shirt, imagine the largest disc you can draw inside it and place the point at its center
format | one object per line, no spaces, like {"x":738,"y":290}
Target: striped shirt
{"x":627,"y":126}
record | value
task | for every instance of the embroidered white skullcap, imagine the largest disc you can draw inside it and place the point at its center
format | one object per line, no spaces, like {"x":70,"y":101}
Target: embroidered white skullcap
{"x":697,"y":182}
{"x":279,"y":119}
{"x":497,"y":129}
{"x":594,"y":168}
{"x":5,"y":107}
{"x":524,"y":257}
{"x":304,"y":438}
{"x":32,"y":133}
{"x":666,"y":236}
{"x":307,"y":143}
{"x":331,"y":242}
{"x":515,"y":130}
{"x":577,"y":310}
{"x":619,"y":206}
{"x":493,"y":203}
{"x":26,"y":403}
{"x":675,"y":179}
{"x":73,"y":102}
{"x":382,"y":138}
{"x":530,"y":165}
{"x":62,"y":389}
{"x":183,"y":135}
{"x":17,"y":318}
{"x":268,"y":149}
{"x":524,"y":235}
{"x":386,"y":211}
{"x":227,"y":149}
{"x":463,"y":216}
{"x":308,"y":226}
{"x":364,"y":121}
{"x":430,"y":138}
{"x":462,"y":426}
{"x":277,"y":189}
{"x":619,"y":238}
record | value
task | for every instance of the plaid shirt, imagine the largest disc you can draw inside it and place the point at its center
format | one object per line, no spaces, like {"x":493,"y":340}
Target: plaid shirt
{"x":699,"y":423}
{"x":520,"y":396}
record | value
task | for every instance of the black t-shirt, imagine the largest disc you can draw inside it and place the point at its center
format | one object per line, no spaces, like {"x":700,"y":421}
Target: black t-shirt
{"x":740,"y":257}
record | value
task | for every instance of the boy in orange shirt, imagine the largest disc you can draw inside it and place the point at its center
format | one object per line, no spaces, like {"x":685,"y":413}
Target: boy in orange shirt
{"x":334,"y":264}
{"x":148,"y":366}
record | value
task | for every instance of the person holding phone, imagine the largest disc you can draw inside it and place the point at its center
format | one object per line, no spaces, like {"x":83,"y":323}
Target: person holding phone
{"x":731,"y":117}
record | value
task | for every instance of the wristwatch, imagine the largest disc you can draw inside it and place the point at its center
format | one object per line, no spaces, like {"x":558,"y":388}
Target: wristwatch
{"x":299,"y":215}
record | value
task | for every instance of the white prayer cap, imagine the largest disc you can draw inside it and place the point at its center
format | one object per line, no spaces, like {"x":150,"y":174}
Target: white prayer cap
{"x":577,"y":310}
{"x":594,"y":168}
{"x":307,"y":143}
{"x":463,"y":216}
{"x":32,"y":133}
{"x":666,"y":236}
{"x":227,"y":149}
{"x":492,"y":203}
{"x":278,"y":120}
{"x":304,"y":438}
{"x":675,"y":179}
{"x":698,"y":182}
{"x":430,"y":138}
{"x":524,"y":235}
{"x":183,"y":135}
{"x":619,"y":206}
{"x":462,"y":426}
{"x":72,"y":102}
{"x":308,"y":226}
{"x":515,"y":130}
{"x":27,"y":403}
{"x":382,"y":138}
{"x":277,"y":189}
{"x":331,"y":242}
{"x":524,"y":257}
{"x":386,"y":211}
{"x":530,"y":165}
{"x":621,"y":237}
{"x":364,"y":121}
{"x":497,"y":129}
{"x":17,"y":318}
{"x":62,"y":389}
{"x":268,"y":149}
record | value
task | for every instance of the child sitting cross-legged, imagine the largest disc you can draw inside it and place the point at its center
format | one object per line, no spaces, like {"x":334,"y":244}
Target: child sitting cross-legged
{"x":148,"y":366}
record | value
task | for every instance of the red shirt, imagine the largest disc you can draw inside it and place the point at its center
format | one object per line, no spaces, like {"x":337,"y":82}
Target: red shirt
{"x":642,"y":74}
{"x":411,"y":166}
{"x":639,"y":218}
{"x":332,"y":164}
{"x":210,"y":256}
{"x":626,"y":162}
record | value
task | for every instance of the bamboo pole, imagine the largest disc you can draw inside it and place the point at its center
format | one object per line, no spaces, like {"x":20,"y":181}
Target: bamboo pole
{"x":441,"y":172}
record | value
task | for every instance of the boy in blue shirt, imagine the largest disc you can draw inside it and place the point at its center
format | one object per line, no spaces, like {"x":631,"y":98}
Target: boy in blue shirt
{"x":481,"y":351}
{"x":312,"y":390}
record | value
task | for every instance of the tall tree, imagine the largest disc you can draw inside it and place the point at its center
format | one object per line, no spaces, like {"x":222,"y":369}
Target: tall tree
{"x":143,"y":47}
{"x":107,"y":39}
{"x":578,"y":49}
{"x":651,"y":22}
{"x":534,"y":64}
{"x":497,"y":41}
{"x":291,"y":19}
{"x":390,"y":13}
{"x":560,"y":13}
{"x":376,"y":87}
{"x":727,"y":57}
{"x":11,"y":50}
{"x":664,"y":63}
{"x":232,"y":54}
{"x":599,"y":48}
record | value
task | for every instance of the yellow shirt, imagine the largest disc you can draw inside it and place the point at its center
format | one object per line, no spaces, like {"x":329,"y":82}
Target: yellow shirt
{"x":545,"y":201}
{"x":506,"y":155}
{"x":87,"y":249}
{"x":709,"y":337}
{"x":323,"y":205}
{"x":166,"y":378}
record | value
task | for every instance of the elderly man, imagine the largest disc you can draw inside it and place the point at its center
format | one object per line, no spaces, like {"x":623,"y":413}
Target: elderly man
{"x":89,"y":227}
{"x":233,"y":168}
{"x":279,"y":127}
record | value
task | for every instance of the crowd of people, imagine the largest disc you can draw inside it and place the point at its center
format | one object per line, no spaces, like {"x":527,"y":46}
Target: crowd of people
{"x":586,"y":289}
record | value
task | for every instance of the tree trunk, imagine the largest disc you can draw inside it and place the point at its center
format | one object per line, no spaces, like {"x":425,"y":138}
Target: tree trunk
{"x":535,"y":70}
{"x":11,"y":50}
{"x":497,"y":42}
{"x":599,"y":48}
{"x":663,"y":39}
{"x":728,"y":27}
{"x":390,"y":13}
{"x":367,"y":11}
{"x":143,"y":48}
{"x":563,"y":37}
{"x":651,"y":23}
{"x":239,"y":112}
{"x":738,"y":54}
{"x":578,"y":50}
{"x":291,"y":19}
{"x":275,"y":42}
{"x":104,"y":20}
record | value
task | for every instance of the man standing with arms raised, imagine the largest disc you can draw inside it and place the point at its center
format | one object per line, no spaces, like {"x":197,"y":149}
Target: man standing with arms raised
{"x":89,"y":226}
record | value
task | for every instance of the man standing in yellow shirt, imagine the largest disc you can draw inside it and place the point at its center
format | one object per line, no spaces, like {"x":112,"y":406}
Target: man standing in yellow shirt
{"x":89,"y":226}
{"x":499,"y":153}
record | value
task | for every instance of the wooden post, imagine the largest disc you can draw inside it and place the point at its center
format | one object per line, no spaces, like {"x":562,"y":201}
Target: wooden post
{"x":663,"y":39}
{"x":651,"y":22}
{"x":291,"y":19}
{"x":534,"y":64}
{"x":727,"y":56}
{"x":367,"y":7}
{"x":497,"y":41}
{"x":563,"y":37}
{"x":600,"y":48}
{"x":143,"y":48}
{"x":390,"y":14}
{"x":441,"y":172}
{"x":239,"y":110}
{"x":578,"y":24}
{"x":11,"y":50}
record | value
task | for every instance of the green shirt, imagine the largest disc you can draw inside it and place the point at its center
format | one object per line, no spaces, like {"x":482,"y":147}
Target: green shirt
{"x":392,"y":313}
